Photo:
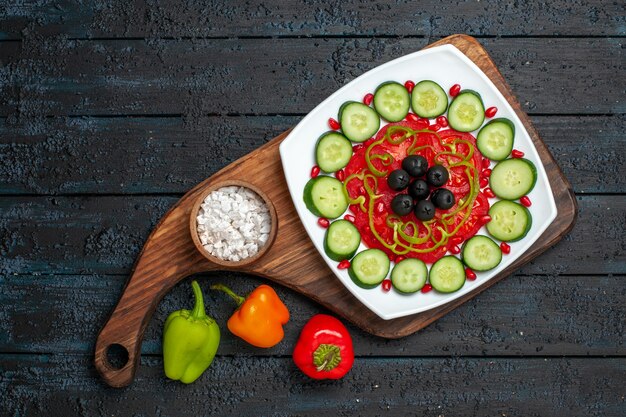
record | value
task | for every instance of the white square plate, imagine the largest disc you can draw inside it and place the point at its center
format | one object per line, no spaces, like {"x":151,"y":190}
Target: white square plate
{"x":447,"y":66}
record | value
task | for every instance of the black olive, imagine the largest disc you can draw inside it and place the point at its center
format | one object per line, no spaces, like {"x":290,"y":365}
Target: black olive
{"x":425,"y":210}
{"x":415,"y":165}
{"x":402,"y":204}
{"x":442,"y":198}
{"x":398,"y":179}
{"x":437,"y":175}
{"x":419,"y":190}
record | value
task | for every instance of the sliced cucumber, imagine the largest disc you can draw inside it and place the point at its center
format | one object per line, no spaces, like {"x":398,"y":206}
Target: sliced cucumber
{"x":391,"y":101}
{"x":342,"y":240}
{"x":369,"y":268}
{"x":358,"y":121}
{"x":481,"y":253}
{"x":509,"y":221}
{"x":512,"y":178}
{"x":332,"y":152}
{"x":428,"y":99}
{"x":466,"y":112}
{"x":409,"y":275}
{"x":324,"y":197}
{"x":495,"y":139}
{"x":447,"y":274}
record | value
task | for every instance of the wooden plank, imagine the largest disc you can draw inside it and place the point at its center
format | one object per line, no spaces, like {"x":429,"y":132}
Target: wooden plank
{"x":57,"y":385}
{"x":75,"y":235}
{"x":523,"y":315}
{"x":275,"y":18}
{"x":195,"y":77}
{"x":170,"y":155}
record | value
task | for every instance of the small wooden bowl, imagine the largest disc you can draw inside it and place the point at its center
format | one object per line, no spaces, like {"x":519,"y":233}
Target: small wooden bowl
{"x":193,"y":224}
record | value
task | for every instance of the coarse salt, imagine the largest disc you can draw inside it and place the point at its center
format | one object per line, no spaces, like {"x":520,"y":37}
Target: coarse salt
{"x":233,"y":223}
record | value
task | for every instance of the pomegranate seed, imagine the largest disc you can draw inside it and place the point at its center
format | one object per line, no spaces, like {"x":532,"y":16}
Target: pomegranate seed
{"x":315,"y":171}
{"x":491,"y":111}
{"x":442,"y":121}
{"x":426,"y":288}
{"x":456,"y":240}
{"x":409,"y":85}
{"x":323,"y":222}
{"x":486,"y":173}
{"x":334,"y":125}
{"x":525,"y":201}
{"x":485,"y":219}
{"x":471,"y":275}
{"x":488,"y":193}
{"x":412,"y":117}
{"x":486,"y":163}
{"x":380,"y":207}
{"x":349,"y":217}
{"x":517,"y":154}
{"x":422,"y":124}
{"x":434,"y":127}
{"x":367,"y":100}
{"x":340,"y":175}
{"x":357,"y":148}
{"x":455,"y":250}
{"x":343,"y":264}
{"x":361,"y":190}
{"x":483,"y":182}
{"x":386,"y":285}
{"x":506,"y":249}
{"x":454,"y":90}
{"x":353,"y":208}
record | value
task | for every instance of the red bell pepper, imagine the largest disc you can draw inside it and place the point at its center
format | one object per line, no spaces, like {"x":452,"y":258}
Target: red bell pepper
{"x":324,"y":349}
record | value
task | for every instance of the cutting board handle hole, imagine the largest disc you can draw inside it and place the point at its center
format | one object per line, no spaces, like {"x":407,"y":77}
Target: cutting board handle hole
{"x":193,"y":226}
{"x":117,"y":356}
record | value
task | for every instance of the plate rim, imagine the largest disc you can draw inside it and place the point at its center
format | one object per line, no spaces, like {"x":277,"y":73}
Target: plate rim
{"x":286,"y":143}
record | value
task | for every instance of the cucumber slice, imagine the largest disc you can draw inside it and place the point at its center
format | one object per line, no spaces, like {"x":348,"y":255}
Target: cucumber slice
{"x":495,"y":139}
{"x":481,"y":253}
{"x":342,"y":240}
{"x":509,"y":221}
{"x":409,"y":275}
{"x":466,"y":112}
{"x":428,"y":99}
{"x":324,"y":197}
{"x":369,"y":268}
{"x":358,"y":121}
{"x":447,"y":274}
{"x":391,"y":101}
{"x":332,"y":152}
{"x":512,"y":178}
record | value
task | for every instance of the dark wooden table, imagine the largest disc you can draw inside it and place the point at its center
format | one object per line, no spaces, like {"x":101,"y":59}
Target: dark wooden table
{"x":110,"y":111}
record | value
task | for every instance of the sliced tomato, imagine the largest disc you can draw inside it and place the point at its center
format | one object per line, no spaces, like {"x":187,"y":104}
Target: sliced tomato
{"x":473,"y":224}
{"x":449,"y":135}
{"x":429,"y":145}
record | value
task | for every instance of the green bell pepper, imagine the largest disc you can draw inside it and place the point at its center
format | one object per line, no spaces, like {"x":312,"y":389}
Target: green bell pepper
{"x":190,"y":341}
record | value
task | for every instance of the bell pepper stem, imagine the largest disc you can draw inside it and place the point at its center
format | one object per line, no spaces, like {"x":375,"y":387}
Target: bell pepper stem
{"x":326,"y":357}
{"x":221,"y":287}
{"x":198,"y":311}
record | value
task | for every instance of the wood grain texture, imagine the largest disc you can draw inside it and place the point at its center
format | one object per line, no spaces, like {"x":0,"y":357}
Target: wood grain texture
{"x":59,"y":76}
{"x":242,"y":386}
{"x":95,"y":233}
{"x":121,"y":155}
{"x":136,"y":18}
{"x":169,"y":255}
{"x":104,"y":234}
{"x":539,"y":316}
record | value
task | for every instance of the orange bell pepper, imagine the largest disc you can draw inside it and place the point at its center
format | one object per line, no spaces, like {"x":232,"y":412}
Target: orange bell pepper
{"x":260,"y":317}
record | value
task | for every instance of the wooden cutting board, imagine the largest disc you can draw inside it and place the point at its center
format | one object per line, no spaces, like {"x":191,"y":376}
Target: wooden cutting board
{"x":170,"y":253}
